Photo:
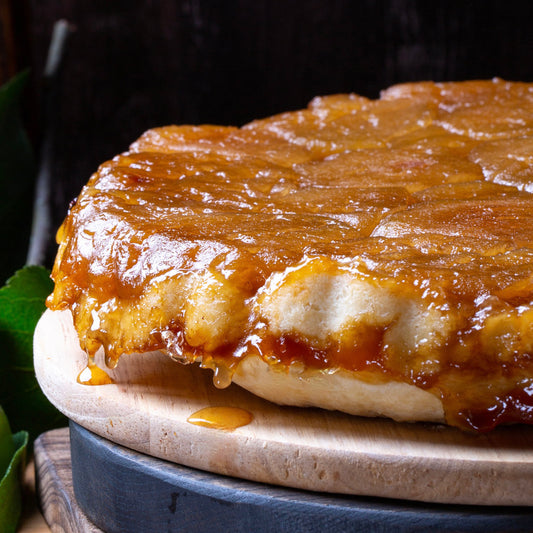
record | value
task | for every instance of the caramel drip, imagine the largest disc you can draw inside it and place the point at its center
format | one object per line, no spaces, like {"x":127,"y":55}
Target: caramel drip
{"x":94,"y":375}
{"x":225,"y":418}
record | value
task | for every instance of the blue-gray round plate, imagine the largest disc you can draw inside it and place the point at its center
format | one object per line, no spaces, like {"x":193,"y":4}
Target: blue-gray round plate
{"x":122,"y":490}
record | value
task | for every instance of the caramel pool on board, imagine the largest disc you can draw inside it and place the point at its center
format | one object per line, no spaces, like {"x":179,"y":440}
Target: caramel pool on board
{"x":226,"y":418}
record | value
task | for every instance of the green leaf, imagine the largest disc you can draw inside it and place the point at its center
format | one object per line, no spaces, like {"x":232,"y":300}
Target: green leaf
{"x":13,"y":452}
{"x":22,"y":302}
{"x":7,"y":446}
{"x":17,"y":175}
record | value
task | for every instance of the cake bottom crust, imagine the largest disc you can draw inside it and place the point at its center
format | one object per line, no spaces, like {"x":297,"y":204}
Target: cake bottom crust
{"x":356,"y":393}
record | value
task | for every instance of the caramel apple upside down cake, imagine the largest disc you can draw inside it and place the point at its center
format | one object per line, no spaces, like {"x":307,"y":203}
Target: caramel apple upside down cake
{"x":369,"y":256}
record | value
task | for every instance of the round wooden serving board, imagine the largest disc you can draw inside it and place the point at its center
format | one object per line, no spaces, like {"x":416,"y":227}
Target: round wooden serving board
{"x":147,"y":407}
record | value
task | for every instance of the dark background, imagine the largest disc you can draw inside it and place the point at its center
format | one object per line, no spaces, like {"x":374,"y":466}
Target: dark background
{"x":135,"y":64}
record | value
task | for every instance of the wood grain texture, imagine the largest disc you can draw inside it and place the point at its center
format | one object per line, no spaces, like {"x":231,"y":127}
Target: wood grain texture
{"x":148,"y":406}
{"x":54,"y":484}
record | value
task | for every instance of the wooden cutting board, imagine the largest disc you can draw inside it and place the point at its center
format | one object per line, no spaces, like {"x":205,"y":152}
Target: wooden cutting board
{"x":148,"y":406}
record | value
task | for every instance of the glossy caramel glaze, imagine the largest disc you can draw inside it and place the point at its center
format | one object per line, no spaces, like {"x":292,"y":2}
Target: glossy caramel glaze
{"x":424,"y":194}
{"x":94,"y":375}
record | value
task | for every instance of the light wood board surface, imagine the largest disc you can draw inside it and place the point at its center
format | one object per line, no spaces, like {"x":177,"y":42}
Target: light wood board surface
{"x":148,"y":406}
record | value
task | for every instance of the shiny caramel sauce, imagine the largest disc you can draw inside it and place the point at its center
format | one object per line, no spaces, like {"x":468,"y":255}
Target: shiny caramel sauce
{"x":427,"y":190}
{"x":224,"y":418}
{"x":94,"y":375}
